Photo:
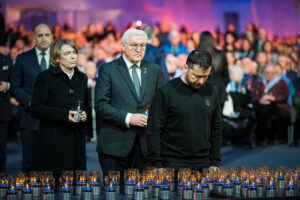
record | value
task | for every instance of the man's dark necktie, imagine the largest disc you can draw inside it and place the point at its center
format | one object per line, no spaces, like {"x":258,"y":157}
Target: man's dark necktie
{"x":135,"y":80}
{"x":43,"y":62}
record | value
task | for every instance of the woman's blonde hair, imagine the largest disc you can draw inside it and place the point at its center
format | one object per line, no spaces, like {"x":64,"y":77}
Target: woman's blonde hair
{"x":56,"y":50}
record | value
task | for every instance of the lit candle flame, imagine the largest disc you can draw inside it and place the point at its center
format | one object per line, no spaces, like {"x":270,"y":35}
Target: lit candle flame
{"x":82,"y":178}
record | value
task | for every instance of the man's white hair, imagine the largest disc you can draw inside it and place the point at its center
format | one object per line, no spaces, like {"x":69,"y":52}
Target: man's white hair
{"x":236,"y":68}
{"x":132,"y":31}
{"x":269,"y":65}
{"x":174,"y":32}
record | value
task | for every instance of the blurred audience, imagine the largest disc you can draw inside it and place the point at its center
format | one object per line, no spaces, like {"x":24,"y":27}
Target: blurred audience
{"x":168,"y":46}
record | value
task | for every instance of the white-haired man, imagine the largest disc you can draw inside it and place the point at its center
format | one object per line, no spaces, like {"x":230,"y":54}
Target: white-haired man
{"x":124,"y":90}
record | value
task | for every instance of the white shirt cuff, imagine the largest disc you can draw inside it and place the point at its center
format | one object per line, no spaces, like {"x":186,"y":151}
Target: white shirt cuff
{"x":127,"y":119}
{"x":8,"y":86}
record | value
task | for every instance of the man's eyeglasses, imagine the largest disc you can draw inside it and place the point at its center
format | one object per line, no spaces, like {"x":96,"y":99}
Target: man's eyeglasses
{"x":135,"y":46}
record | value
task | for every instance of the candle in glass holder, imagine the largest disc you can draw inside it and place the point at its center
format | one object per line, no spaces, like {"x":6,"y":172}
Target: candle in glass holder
{"x":68,"y":178}
{"x":139,"y":192}
{"x":180,"y":187}
{"x":172,"y":183}
{"x":252,"y":190}
{"x":156,"y":188}
{"x":117,"y":186}
{"x":95,"y":185}
{"x":79,"y":184}
{"x":19,"y":188}
{"x":114,"y":178}
{"x":87,"y":192}
{"x":244,"y":188}
{"x":3,"y":187}
{"x":46,"y":183}
{"x":79,"y":110}
{"x":270,"y":190}
{"x":260,"y":187}
{"x":147,"y":189}
{"x":146,"y":110}
{"x":237,"y":185}
{"x":164,"y":192}
{"x":110,"y":192}
{"x":27,"y":193}
{"x":150,"y":182}
{"x":48,"y":193}
{"x":205,"y":187}
{"x":209,"y":181}
{"x":198,"y":192}
{"x":65,"y":192}
{"x":219,"y":185}
{"x":11,"y":193}
{"x":290,"y":189}
{"x":187,"y":191}
{"x":128,"y":187}
{"x":280,"y":180}
{"x":35,"y":187}
{"x":227,"y":188}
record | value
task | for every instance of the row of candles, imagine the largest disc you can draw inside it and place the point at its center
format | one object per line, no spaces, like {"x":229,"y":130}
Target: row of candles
{"x":153,"y":182}
{"x":42,"y":184}
{"x":238,"y":182}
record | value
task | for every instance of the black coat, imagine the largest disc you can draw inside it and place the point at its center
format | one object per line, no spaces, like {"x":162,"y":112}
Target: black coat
{"x":5,"y":67}
{"x":115,"y":96}
{"x":62,"y":143}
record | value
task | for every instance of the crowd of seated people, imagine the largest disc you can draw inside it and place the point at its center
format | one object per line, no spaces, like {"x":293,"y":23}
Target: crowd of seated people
{"x":263,"y":70}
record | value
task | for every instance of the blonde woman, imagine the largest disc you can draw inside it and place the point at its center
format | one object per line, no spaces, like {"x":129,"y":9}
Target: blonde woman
{"x":57,"y":95}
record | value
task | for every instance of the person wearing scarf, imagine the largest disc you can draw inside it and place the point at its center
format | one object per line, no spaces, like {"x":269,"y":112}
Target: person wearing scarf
{"x":238,"y":110}
{"x":271,"y":94}
{"x":236,"y":93}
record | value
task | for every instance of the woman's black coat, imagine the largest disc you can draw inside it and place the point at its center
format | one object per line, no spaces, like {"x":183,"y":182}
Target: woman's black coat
{"x":62,"y":143}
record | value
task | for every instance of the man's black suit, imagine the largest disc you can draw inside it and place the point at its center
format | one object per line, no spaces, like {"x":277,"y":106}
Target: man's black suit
{"x":24,"y":74}
{"x":5,"y":116}
{"x":115,"y":97}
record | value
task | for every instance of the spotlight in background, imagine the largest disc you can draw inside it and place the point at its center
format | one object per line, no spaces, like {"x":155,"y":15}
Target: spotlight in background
{"x":139,"y":23}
